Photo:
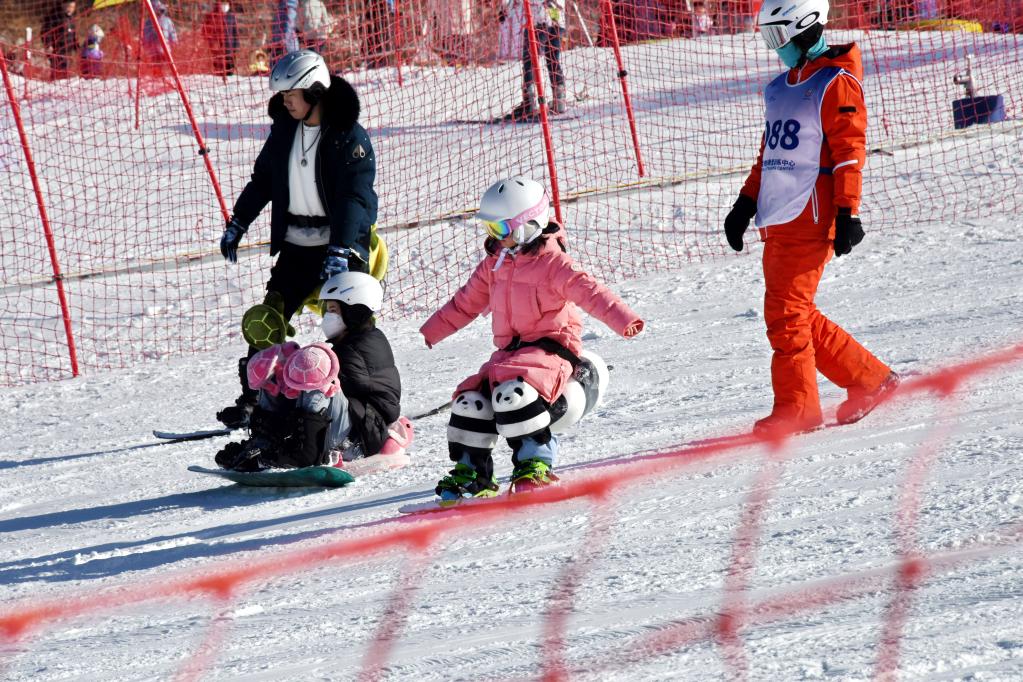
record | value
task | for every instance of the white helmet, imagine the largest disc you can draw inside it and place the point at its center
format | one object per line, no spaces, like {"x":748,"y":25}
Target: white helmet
{"x":354,"y":288}
{"x":517,"y":207}
{"x":96,"y":33}
{"x":782,"y":20}
{"x":299,"y":70}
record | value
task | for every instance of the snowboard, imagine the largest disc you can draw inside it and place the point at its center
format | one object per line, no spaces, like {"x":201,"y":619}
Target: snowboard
{"x":365,"y":466}
{"x":438,"y":505}
{"x":318,"y":476}
{"x":434,"y":505}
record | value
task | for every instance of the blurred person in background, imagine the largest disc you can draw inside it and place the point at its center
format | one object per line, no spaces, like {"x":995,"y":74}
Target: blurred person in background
{"x":378,"y":21}
{"x":283,"y":30}
{"x":549,"y":24}
{"x":453,"y":26}
{"x":702,"y":21}
{"x":650,"y":22}
{"x":259,"y":63}
{"x":59,"y":37}
{"x":151,"y":47}
{"x":220,"y":30}
{"x":510,"y":33}
{"x":91,"y":59}
{"x":315,"y":25}
{"x":16,"y":57}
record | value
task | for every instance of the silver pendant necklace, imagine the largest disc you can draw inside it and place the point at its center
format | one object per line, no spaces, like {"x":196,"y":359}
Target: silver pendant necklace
{"x":305,"y":150}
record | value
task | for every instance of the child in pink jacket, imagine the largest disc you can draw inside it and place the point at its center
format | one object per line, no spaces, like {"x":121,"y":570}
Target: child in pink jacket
{"x":532,"y":288}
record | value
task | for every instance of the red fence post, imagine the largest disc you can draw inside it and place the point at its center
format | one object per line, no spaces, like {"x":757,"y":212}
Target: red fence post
{"x":612,"y":25}
{"x":534,"y":56}
{"x":28,"y":62}
{"x":138,"y":68}
{"x":396,"y":40}
{"x":203,"y":151}
{"x":58,"y":278}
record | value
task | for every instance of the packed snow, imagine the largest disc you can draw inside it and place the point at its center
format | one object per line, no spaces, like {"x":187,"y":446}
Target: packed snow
{"x":92,"y":505}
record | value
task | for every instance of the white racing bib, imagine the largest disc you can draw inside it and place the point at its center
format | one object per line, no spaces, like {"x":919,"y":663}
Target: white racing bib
{"x":792,"y":145}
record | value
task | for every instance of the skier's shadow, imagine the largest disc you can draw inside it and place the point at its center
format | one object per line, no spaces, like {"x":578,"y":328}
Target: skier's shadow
{"x":208,"y":500}
{"x":124,"y":557}
{"x":35,"y":461}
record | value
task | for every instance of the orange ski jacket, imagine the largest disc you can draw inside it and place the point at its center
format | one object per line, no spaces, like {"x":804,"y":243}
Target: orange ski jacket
{"x":843,"y":151}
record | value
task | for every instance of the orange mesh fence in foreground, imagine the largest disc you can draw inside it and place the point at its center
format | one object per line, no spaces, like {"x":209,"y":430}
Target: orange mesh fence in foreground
{"x":725,"y":625}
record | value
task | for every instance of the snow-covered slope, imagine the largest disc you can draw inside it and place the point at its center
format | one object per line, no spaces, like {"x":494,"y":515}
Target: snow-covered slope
{"x":89,"y":504}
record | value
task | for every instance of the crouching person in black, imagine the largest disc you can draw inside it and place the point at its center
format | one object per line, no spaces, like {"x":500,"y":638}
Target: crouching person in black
{"x":328,"y":403}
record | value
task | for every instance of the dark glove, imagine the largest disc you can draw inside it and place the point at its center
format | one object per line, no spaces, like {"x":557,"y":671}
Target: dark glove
{"x":232,"y":237}
{"x":336,"y":262}
{"x":501,"y":15}
{"x":848,"y":231}
{"x":738,"y":219}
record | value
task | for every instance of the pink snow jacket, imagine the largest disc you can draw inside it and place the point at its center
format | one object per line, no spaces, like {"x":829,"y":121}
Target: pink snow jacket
{"x":532,"y":295}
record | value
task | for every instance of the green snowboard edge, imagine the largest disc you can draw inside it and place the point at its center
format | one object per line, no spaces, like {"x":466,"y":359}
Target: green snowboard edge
{"x":318,"y":476}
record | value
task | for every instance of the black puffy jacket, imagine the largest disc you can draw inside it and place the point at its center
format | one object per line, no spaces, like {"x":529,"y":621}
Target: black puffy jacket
{"x":370,"y":381}
{"x":345,"y":172}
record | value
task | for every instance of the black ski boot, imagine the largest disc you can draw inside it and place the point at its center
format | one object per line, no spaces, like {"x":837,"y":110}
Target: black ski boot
{"x":249,"y":455}
{"x":528,"y":110}
{"x":268,"y":438}
{"x":237,"y":416}
{"x":299,"y":439}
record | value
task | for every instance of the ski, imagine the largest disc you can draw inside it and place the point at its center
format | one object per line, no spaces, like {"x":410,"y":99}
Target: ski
{"x":191,"y":435}
{"x":430,"y":413}
{"x":305,"y":477}
{"x":501,"y":120}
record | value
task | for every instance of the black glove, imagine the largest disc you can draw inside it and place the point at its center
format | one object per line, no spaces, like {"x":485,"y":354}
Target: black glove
{"x":336,"y":262}
{"x":848,"y":231}
{"x":232,"y":237}
{"x":738,"y":219}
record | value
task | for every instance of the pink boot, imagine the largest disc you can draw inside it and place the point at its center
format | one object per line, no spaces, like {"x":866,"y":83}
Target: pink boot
{"x":400,"y":437}
{"x":392,"y":454}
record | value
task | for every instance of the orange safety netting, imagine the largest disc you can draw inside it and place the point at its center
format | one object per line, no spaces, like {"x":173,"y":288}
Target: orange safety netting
{"x":135,"y":157}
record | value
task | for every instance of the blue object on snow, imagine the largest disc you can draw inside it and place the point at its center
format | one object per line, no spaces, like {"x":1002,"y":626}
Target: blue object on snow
{"x":970,"y":110}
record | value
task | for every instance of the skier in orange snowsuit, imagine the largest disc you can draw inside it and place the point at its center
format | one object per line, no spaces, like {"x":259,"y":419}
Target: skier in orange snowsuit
{"x":804,"y":191}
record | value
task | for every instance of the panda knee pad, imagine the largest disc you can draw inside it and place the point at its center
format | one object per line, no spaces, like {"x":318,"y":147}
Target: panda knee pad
{"x":519,"y":409}
{"x":582,"y":393}
{"x":472,"y":421}
{"x":569,"y":408}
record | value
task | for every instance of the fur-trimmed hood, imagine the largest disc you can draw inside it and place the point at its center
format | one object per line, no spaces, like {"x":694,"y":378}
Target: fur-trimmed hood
{"x":341,"y":106}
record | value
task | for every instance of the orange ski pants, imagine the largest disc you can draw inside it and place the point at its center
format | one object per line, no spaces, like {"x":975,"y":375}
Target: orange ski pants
{"x":803,"y":339}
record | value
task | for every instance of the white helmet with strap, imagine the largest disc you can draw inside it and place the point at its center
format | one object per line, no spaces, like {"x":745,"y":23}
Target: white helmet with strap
{"x":354,"y":288}
{"x":515,"y":207}
{"x":299,"y":70}
{"x":780,"y":21}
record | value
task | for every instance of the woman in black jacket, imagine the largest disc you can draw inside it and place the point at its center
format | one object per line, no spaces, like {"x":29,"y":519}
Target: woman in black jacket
{"x":60,"y":38}
{"x":316,"y":169}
